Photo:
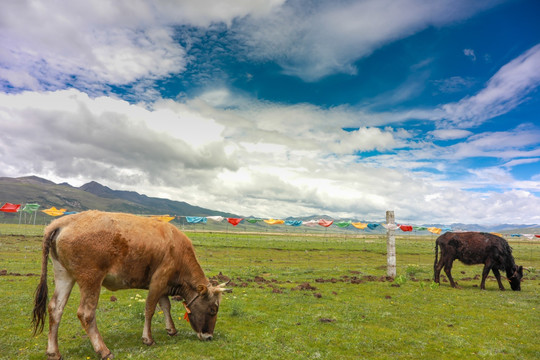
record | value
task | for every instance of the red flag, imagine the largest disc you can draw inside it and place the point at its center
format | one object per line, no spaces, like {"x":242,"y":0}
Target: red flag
{"x":405,"y":227}
{"x":325,"y":223}
{"x":234,"y":221}
{"x":12,"y":208}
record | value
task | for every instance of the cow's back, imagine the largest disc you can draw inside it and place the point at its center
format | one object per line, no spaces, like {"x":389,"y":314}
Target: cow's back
{"x":472,"y":247}
{"x":128,"y":248}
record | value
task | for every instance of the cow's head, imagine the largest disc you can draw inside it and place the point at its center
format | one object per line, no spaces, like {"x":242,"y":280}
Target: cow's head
{"x":203,"y":308}
{"x":515,"y":279}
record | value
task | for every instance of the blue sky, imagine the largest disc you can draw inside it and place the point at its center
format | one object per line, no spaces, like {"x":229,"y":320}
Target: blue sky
{"x":282,"y":108}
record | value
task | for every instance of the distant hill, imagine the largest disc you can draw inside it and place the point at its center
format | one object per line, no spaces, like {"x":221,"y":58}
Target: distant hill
{"x":32,"y":189}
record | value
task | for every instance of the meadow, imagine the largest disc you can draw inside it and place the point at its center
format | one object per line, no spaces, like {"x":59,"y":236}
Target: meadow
{"x":295,"y":296}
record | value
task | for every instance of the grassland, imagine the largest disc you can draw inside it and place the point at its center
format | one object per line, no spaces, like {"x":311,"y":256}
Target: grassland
{"x":296,"y":296}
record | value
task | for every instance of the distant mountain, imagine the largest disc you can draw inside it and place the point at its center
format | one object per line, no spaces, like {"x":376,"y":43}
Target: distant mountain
{"x":32,"y":189}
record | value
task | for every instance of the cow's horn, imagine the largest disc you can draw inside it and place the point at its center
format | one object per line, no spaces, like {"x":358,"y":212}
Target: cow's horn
{"x":524,"y":268}
{"x":222,"y":290}
{"x":222,"y":285}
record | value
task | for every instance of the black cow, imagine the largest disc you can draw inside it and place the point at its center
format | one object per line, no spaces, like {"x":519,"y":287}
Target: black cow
{"x":477,"y":248}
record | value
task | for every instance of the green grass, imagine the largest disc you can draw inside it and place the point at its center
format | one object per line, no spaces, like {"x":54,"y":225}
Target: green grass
{"x":372,"y":319}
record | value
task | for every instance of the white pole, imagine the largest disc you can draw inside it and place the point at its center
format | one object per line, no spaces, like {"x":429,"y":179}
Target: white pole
{"x":390,"y":245}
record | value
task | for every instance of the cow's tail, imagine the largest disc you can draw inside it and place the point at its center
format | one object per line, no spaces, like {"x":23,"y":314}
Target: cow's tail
{"x":436,"y":256}
{"x":41,"y":293}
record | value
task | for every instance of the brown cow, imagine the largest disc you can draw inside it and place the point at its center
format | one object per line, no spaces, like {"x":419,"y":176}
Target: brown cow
{"x":477,"y":248}
{"x":122,"y":251}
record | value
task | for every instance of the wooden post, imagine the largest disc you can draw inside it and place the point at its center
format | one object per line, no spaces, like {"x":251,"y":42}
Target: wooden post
{"x":390,"y":245}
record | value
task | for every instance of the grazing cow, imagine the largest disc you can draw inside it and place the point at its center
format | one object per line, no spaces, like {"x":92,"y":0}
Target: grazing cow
{"x":122,"y":251}
{"x":477,"y":248}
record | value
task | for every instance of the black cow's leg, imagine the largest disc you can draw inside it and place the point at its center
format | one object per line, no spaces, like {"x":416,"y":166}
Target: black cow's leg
{"x":485,"y":273}
{"x":437,"y":271}
{"x":498,"y":277}
{"x":448,"y":271}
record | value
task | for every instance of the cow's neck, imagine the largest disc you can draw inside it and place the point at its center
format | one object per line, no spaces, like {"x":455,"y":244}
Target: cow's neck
{"x":191,"y":276}
{"x":510,"y":266}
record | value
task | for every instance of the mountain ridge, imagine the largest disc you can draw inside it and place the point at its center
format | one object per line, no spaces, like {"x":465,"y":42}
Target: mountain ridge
{"x":92,"y":195}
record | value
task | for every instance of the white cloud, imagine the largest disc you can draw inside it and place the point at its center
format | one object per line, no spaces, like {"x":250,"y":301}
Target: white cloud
{"x":313,"y":39}
{"x":453,"y":84}
{"x":504,"y":91}
{"x":470,"y":53}
{"x":68,"y":134}
{"x":517,"y":162}
{"x":450,"y":134}
{"x":98,"y":43}
{"x":252,"y":159}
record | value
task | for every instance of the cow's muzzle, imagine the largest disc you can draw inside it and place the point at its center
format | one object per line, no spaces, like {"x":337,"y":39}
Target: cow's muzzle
{"x":205,"y":337}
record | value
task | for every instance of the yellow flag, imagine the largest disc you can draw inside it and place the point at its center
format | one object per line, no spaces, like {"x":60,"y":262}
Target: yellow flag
{"x":359,"y":225}
{"x":274,"y":222}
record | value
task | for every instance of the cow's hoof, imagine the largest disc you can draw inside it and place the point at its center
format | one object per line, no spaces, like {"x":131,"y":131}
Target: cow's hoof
{"x":172,"y":332}
{"x":148,"y":342}
{"x":109,"y":356}
{"x":54,"y":356}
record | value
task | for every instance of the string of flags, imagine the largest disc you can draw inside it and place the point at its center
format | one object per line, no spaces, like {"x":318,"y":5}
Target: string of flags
{"x":53,"y":211}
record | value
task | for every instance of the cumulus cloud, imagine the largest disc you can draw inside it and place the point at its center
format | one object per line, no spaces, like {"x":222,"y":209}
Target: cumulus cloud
{"x":250,"y":162}
{"x":67,"y":133}
{"x":91,"y":45}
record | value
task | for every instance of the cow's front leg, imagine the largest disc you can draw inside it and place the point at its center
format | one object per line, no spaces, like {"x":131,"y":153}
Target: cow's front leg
{"x":498,"y":277}
{"x":485,"y":273}
{"x":165,"y":305}
{"x":155,"y":292}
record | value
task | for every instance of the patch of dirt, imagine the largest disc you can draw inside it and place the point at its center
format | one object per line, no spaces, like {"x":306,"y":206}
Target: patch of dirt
{"x":327,"y":320}
{"x":4,"y":272}
{"x":305,"y":286}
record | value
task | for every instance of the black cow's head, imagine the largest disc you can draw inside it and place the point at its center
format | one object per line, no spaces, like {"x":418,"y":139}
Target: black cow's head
{"x":203,"y":308}
{"x":515,"y":279}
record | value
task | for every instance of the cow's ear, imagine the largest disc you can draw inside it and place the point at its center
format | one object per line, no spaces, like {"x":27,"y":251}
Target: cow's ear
{"x":520,"y":269}
{"x":202,"y":289}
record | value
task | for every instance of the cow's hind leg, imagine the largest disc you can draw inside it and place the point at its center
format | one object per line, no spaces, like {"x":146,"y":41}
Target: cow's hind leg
{"x":437,"y":271}
{"x":87,"y":315}
{"x":165,"y":305}
{"x":448,"y":271}
{"x":62,"y":289}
